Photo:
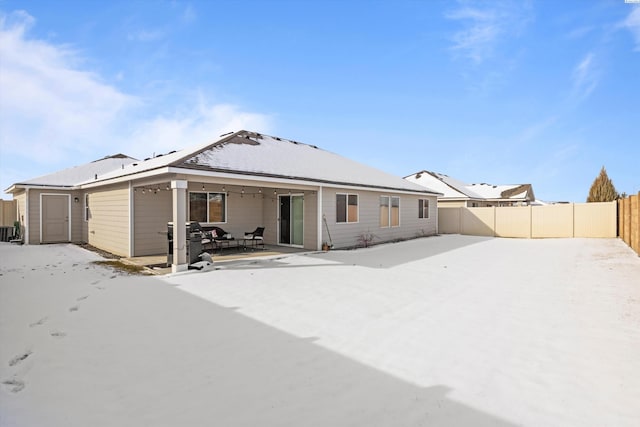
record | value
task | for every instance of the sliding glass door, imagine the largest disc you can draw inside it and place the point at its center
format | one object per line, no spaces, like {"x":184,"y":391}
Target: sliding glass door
{"x":291,"y":220}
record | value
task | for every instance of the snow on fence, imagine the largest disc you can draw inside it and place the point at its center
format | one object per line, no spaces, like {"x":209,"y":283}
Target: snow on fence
{"x":7,"y":213}
{"x":629,"y":221}
{"x":564,"y":220}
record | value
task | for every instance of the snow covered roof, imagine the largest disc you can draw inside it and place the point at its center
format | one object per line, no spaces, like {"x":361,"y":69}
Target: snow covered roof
{"x":258,"y":155}
{"x":488,"y":191}
{"x":450,"y":187}
{"x":455,"y":189}
{"x":75,"y":175}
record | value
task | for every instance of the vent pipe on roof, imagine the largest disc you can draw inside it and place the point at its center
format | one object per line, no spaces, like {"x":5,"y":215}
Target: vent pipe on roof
{"x":96,"y":176}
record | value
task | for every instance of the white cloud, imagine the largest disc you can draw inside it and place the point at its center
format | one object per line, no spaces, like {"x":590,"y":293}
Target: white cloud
{"x":49,"y":105}
{"x":632,"y":23}
{"x":55,"y":114}
{"x":484,"y":27}
{"x":204,"y":122}
{"x":585,"y":77}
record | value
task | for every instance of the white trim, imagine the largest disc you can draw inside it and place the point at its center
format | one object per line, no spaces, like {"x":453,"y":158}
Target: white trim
{"x":131,"y":219}
{"x":423,"y":210}
{"x":319,"y":217}
{"x":291,"y":220}
{"x":207,"y":222}
{"x":347,"y":207}
{"x":389,"y":197}
{"x":68,"y":196}
{"x":284,"y":183}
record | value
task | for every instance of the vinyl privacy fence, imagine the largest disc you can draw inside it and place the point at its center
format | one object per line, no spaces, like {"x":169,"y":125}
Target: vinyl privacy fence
{"x":629,"y":221}
{"x":7,"y":212}
{"x":531,"y":222}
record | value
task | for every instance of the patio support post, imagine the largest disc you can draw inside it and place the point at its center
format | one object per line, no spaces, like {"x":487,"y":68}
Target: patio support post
{"x":179,"y":190}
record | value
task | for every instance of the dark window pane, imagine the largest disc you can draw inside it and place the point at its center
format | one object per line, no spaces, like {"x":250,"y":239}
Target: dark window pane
{"x":198,"y":207}
{"x":341,"y":208}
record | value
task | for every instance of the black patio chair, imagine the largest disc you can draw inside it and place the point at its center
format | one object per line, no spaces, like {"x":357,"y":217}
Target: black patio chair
{"x":255,"y":237}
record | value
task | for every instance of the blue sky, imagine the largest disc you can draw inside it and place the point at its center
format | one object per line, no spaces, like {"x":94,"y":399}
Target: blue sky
{"x":503,"y":92}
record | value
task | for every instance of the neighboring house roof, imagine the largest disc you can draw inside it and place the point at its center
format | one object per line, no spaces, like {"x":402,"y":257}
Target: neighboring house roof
{"x":256,"y":155}
{"x":73,"y":176}
{"x":454,"y":189}
{"x":512,"y":192}
{"x":450,"y":188}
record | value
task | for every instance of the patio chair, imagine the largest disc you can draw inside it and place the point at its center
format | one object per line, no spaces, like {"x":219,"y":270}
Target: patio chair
{"x":255,"y":237}
{"x":217,"y":238}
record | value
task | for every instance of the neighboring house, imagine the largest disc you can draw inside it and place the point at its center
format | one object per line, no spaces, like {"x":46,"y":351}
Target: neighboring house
{"x":457,"y":193}
{"x":302,"y":195}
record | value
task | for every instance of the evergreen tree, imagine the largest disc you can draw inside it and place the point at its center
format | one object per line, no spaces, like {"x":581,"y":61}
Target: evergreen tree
{"x":602,"y":189}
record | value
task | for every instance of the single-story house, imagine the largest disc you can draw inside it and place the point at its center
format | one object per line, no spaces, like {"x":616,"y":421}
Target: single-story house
{"x":302,"y":195}
{"x":456,"y":193}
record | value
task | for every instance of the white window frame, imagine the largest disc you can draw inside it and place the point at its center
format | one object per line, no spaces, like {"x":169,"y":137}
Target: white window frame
{"x":390,"y":201}
{"x":425,"y":208}
{"x":226,"y":206}
{"x":86,"y":207}
{"x":347,"y":208}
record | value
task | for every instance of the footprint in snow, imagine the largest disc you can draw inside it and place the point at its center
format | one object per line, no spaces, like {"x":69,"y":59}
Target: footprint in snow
{"x":19,"y":358}
{"x":39,"y":322}
{"x":15,"y":385}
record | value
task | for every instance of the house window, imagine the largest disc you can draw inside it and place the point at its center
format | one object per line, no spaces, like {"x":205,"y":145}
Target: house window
{"x":389,"y":211}
{"x":423,"y":208}
{"x":208,"y":207}
{"x":86,"y":207}
{"x":346,"y":208}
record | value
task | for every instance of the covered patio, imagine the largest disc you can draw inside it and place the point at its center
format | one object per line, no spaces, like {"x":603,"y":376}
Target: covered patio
{"x":289,"y":216}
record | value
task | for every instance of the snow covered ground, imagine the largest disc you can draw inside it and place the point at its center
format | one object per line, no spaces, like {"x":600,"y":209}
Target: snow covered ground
{"x":451,"y":330}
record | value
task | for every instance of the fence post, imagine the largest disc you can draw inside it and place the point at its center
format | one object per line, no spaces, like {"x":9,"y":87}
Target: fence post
{"x":618,"y":213}
{"x":635,"y":226}
{"x":495,"y":231}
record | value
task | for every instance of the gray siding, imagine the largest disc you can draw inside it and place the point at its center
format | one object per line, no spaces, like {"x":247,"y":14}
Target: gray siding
{"x":345,"y":235}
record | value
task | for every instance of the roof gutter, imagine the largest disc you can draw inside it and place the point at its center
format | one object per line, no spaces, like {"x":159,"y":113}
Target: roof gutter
{"x":227,"y":174}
